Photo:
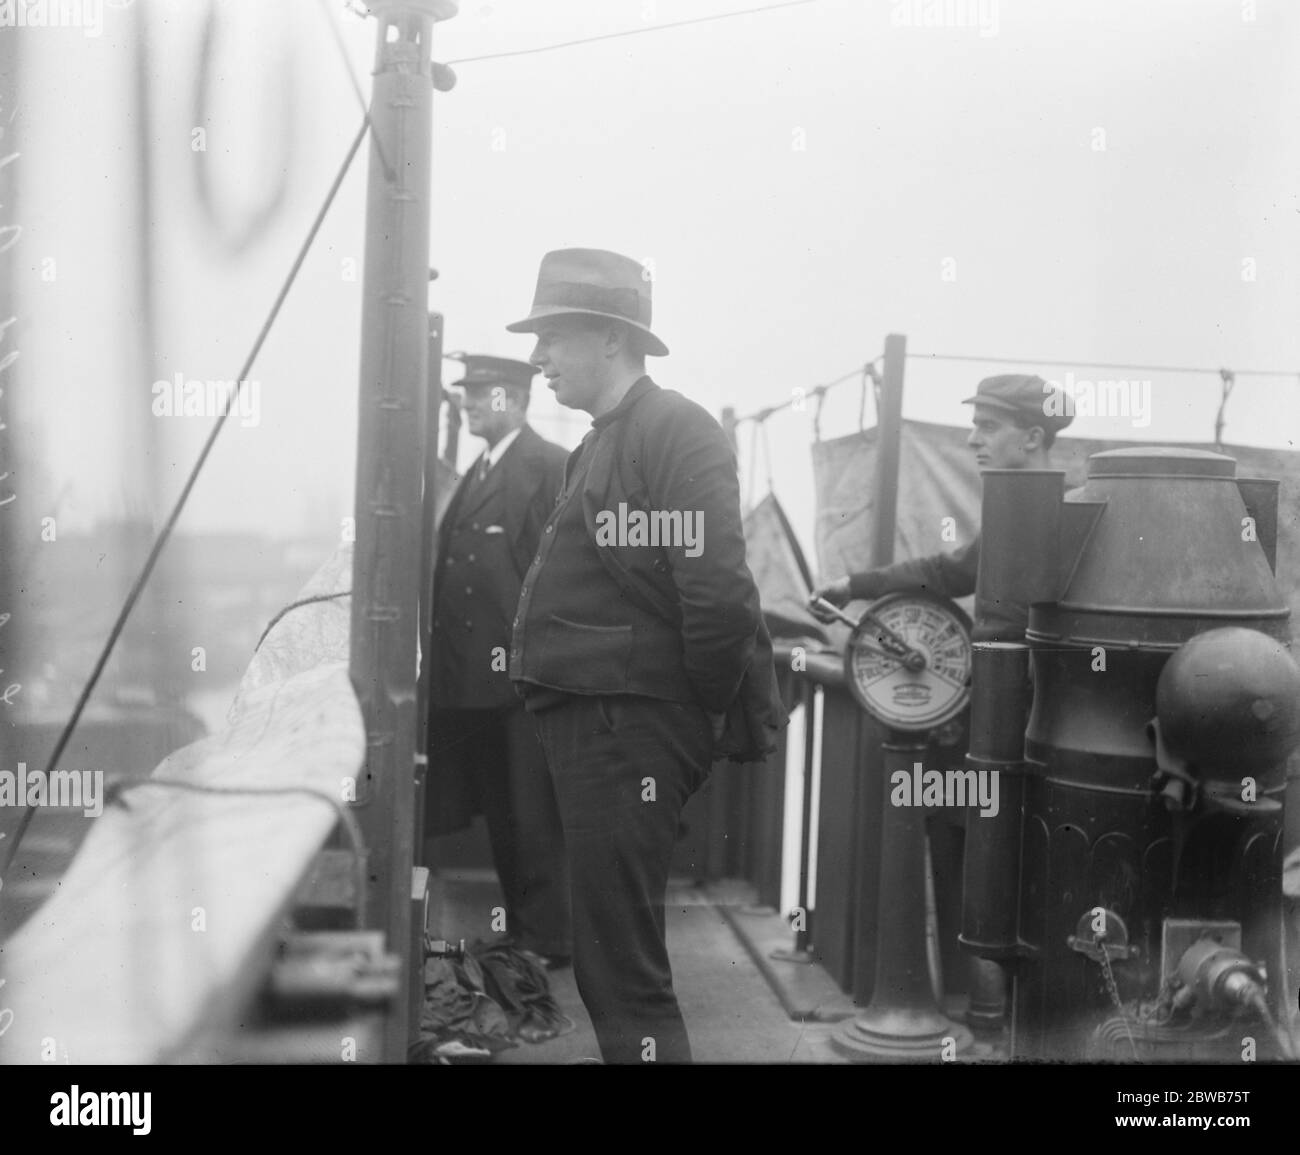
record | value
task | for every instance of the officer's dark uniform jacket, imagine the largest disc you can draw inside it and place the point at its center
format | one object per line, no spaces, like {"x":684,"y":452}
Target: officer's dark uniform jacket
{"x":485,"y":543}
{"x":623,"y":618}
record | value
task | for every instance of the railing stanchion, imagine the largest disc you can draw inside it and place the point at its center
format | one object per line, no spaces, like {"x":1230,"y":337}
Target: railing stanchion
{"x":801,"y":951}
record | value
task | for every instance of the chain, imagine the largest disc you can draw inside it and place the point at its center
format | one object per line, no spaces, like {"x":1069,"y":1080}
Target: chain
{"x":1114,"y":994}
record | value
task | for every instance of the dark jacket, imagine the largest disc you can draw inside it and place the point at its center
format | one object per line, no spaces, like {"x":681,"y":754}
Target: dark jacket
{"x":660,"y":451}
{"x":948,"y":575}
{"x":486,"y":541}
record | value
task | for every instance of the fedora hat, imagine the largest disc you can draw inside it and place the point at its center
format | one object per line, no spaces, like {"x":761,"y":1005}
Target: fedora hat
{"x":593,"y":283}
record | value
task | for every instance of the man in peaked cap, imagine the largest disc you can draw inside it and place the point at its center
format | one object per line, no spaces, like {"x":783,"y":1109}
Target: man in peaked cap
{"x":642,"y":660}
{"x":483,"y":749}
{"x":1015,"y":421}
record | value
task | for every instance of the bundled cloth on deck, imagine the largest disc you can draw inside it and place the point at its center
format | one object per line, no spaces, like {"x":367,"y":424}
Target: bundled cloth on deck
{"x":475,"y":1008}
{"x":938,"y":479}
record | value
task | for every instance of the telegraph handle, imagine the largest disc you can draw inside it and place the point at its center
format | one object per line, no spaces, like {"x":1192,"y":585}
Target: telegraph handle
{"x":829,"y":611}
{"x":892,"y":645}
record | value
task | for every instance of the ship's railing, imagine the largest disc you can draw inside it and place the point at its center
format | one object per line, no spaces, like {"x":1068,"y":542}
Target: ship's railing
{"x":839,"y":752}
{"x":168,"y":922}
{"x":166,"y":925}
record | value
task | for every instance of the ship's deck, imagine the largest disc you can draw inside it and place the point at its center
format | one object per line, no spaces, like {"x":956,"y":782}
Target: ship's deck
{"x":731,"y":1012}
{"x":736,"y":1011}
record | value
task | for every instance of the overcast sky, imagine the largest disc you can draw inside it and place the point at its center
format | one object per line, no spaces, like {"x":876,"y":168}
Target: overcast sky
{"x":1109,"y":180}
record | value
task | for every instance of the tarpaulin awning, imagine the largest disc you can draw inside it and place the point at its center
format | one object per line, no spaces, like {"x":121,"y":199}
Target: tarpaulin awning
{"x":780,"y":572}
{"x":939,"y":480}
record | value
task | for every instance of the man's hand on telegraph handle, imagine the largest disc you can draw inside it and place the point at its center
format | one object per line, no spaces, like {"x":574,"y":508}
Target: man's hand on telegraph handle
{"x":836,"y":592}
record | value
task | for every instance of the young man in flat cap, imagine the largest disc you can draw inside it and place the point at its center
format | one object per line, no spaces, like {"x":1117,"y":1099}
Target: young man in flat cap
{"x":483,"y":750}
{"x":1014,"y":424}
{"x":639,"y":645}
{"x":1015,"y":421}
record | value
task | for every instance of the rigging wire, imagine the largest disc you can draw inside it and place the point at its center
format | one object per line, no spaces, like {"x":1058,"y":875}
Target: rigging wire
{"x":1227,"y":376}
{"x":767,"y":457}
{"x":753,"y":460}
{"x":1229,"y":379}
{"x":337,"y":37}
{"x":164,"y":534}
{"x":757,"y":447}
{"x":309,"y":601}
{"x":1104,"y":365}
{"x":116,"y":794}
{"x":799,"y":396}
{"x":629,"y":32}
{"x":355,"y":81}
{"x":869,"y":374}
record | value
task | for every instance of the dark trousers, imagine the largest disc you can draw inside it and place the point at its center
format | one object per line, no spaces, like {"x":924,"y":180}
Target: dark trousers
{"x":499,"y":762}
{"x":623,"y":767}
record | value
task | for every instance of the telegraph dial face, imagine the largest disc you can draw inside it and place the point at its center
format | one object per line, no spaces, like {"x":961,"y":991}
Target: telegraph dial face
{"x":924,"y":689}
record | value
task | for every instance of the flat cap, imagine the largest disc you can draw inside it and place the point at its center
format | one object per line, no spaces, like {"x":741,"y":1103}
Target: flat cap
{"x":1026,"y":396}
{"x":483,"y":370}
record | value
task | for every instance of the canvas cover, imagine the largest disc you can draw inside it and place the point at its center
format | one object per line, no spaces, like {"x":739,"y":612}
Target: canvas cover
{"x":938,"y":479}
{"x":780,"y":571}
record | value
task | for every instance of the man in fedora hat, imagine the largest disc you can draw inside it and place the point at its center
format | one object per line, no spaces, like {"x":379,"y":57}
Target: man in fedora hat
{"x":1014,"y":424}
{"x":483,"y":750}
{"x":638,"y":645}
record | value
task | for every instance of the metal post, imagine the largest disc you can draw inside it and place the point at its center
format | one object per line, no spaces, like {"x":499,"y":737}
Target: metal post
{"x":729,"y":428}
{"x":143,"y":652}
{"x":904,"y":1021}
{"x":803,"y":934}
{"x":453,"y":430}
{"x":428,"y":559}
{"x":390,"y":459}
{"x":452,"y":401}
{"x":14,"y":626}
{"x":889,"y":428}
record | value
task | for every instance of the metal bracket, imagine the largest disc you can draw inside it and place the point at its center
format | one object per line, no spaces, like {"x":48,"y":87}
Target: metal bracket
{"x":1087,"y":940}
{"x":441,"y":948}
{"x":335,"y":969}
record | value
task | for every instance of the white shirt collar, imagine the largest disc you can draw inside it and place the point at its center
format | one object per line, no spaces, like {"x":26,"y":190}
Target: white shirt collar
{"x":494,"y":454}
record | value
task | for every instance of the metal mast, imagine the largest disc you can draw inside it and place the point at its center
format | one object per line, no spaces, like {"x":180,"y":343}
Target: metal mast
{"x":13,"y":628}
{"x":390,"y":465}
